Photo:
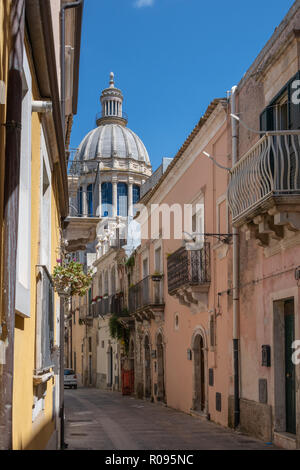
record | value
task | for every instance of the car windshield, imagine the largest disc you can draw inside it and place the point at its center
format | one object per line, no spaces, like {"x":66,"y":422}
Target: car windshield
{"x":69,"y":372}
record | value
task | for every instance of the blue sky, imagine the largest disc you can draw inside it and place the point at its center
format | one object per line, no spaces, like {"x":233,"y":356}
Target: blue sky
{"x":171,"y":58}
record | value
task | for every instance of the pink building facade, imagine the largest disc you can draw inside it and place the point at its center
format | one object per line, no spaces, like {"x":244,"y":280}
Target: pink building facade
{"x":183,"y":304}
{"x":183,"y":323}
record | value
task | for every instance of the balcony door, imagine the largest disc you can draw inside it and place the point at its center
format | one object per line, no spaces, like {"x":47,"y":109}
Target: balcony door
{"x":158,"y":285}
{"x":281,"y":114}
{"x":145,"y":286}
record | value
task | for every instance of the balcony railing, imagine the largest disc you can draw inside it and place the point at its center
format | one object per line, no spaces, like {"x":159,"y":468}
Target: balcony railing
{"x":113,"y":304}
{"x":188,"y":268}
{"x":146,"y":293}
{"x":270,"y":170}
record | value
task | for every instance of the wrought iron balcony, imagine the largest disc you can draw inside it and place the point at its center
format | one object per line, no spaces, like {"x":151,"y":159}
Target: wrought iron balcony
{"x":189,"y":275}
{"x":113,"y":304}
{"x":266,"y":181}
{"x":146,"y":298}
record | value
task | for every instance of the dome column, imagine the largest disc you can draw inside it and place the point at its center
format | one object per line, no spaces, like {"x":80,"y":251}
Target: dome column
{"x":84,"y":201}
{"x":100,"y":199}
{"x":114,"y":197}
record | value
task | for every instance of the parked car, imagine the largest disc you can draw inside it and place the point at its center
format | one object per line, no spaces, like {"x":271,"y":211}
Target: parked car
{"x":70,"y":378}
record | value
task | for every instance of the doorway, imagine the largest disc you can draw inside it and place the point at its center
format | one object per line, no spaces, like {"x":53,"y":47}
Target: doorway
{"x":147,"y":368}
{"x":160,"y":369}
{"x":285,"y":370}
{"x":110,"y":367}
{"x":199,"y":374}
{"x":290,"y":371}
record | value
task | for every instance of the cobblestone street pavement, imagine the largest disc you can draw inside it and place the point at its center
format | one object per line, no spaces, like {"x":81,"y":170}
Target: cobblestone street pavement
{"x":100,"y":420}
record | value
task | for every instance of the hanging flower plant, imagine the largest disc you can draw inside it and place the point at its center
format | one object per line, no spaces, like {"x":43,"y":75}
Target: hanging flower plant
{"x":70,"y":279}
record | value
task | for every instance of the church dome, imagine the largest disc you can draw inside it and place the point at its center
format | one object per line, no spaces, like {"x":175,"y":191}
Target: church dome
{"x":112,"y":139}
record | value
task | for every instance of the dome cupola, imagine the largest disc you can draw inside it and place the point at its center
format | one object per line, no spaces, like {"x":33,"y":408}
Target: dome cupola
{"x":112,"y":105}
{"x":112,"y":139}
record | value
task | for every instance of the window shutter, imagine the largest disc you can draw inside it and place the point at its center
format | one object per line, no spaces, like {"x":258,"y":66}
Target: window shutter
{"x":294,"y":108}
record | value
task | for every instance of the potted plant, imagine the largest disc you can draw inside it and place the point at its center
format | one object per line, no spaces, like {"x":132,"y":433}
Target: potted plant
{"x":156,"y":277}
{"x":69,"y":279}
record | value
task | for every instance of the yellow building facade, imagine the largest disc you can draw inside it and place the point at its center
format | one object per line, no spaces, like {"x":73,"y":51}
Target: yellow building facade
{"x":35,"y":407}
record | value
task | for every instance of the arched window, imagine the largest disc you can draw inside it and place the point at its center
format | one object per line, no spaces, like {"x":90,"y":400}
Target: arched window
{"x":105,"y":283}
{"x":122,"y":199}
{"x":113,"y":280}
{"x":106,"y":190}
{"x":90,"y":200}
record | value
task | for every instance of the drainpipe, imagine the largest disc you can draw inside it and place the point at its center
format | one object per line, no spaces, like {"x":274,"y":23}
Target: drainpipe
{"x":66,"y":6}
{"x":10,"y":219}
{"x":235,"y":287}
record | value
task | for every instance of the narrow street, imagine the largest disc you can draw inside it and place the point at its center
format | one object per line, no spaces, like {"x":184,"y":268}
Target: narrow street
{"x":100,"y":420}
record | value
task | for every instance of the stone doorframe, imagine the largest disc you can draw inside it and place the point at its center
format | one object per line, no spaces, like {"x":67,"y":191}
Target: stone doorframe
{"x":277,"y":300}
{"x":199,"y":330}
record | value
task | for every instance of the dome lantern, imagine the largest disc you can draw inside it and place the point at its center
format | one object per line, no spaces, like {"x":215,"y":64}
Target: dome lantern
{"x":112,"y":105}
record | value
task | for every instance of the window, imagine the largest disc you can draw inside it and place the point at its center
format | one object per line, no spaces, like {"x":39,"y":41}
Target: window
{"x":24,"y":228}
{"x":136,"y":192}
{"x":100,"y":285}
{"x":113,"y":281}
{"x":90,"y":344}
{"x":145,"y":268}
{"x":198,"y":222}
{"x":106,"y":190}
{"x":136,"y":195}
{"x":45,"y":320}
{"x":122,"y":199}
{"x":90,"y":190}
{"x":80,"y":206}
{"x":158,"y":260}
{"x":176,"y":321}
{"x":106,"y":283}
{"x":282,"y":113}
